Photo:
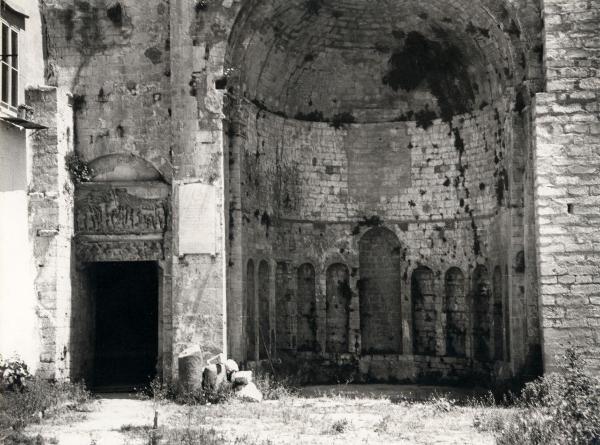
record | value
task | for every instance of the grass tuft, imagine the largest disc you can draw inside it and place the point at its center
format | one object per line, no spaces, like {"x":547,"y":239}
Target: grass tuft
{"x":339,"y":427}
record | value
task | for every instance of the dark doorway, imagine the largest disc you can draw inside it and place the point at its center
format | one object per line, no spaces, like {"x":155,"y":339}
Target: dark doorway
{"x":126,"y":324}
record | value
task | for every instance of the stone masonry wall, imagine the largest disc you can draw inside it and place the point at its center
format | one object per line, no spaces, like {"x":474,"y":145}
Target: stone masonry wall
{"x":310,"y":192}
{"x":51,"y":229}
{"x":141,"y":77}
{"x":567,"y":183}
{"x":305,"y":171}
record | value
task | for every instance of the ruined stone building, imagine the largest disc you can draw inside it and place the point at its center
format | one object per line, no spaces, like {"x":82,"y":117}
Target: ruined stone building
{"x":405,"y":190}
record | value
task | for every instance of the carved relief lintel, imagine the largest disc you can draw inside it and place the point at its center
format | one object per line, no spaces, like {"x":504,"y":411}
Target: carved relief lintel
{"x":119,"y":210}
{"x":120,"y":250}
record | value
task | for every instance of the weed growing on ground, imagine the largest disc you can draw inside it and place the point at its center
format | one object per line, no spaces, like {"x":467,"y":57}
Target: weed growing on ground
{"x":189,"y":432}
{"x":441,"y":404}
{"x":273,"y":388}
{"x":383,"y":426}
{"x":184,"y":436}
{"x":559,"y":408}
{"x":486,"y":401}
{"x":18,"y":438}
{"x":39,"y":399}
{"x":223,"y":394}
{"x":25,"y":400}
{"x":339,"y":427}
{"x":493,"y":421}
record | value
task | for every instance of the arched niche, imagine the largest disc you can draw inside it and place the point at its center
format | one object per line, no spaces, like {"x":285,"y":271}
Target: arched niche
{"x":380,"y":292}
{"x":122,"y":167}
{"x":424,"y":312}
{"x":264,"y":309}
{"x":498,"y":313}
{"x":250,"y":312}
{"x":456,"y":313}
{"x":337,"y":308}
{"x":285,"y":309}
{"x":481,"y":314}
{"x":306,"y":308}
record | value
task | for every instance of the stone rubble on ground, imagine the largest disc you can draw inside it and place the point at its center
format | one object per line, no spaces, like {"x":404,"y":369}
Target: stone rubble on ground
{"x":231,"y":366}
{"x":241,"y":378}
{"x":219,"y":372}
{"x":249,"y":393}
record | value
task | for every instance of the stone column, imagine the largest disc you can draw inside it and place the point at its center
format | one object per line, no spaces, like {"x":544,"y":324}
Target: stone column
{"x":197,"y":52}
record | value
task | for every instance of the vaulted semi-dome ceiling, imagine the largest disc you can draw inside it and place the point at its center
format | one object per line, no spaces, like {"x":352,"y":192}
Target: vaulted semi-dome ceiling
{"x":375,"y":60}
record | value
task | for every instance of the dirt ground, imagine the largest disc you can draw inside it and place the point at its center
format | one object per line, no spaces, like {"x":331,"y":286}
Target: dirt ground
{"x":375,"y":414}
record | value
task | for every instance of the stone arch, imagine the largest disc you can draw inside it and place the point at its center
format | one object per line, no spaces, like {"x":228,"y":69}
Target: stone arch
{"x":498,"y":313}
{"x":306,"y":308}
{"x":337,"y":308}
{"x":481,"y":314}
{"x":264,"y":310}
{"x":456,"y":313}
{"x":250,"y":312}
{"x":424,"y":313}
{"x":380,"y":292}
{"x":123,"y":167}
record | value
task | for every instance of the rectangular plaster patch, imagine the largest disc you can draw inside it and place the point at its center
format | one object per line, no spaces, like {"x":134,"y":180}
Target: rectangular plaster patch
{"x":379,"y":164}
{"x":197,"y":219}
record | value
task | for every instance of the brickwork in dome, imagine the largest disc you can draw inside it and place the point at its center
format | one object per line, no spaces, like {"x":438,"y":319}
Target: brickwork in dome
{"x":315,"y":65}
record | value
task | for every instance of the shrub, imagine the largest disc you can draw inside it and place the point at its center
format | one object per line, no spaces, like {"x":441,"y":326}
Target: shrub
{"x":18,"y":438}
{"x":13,"y":374}
{"x":559,"y":408}
{"x":36,"y":399}
{"x":531,"y":428}
{"x":79,"y":170}
{"x":493,"y":421}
